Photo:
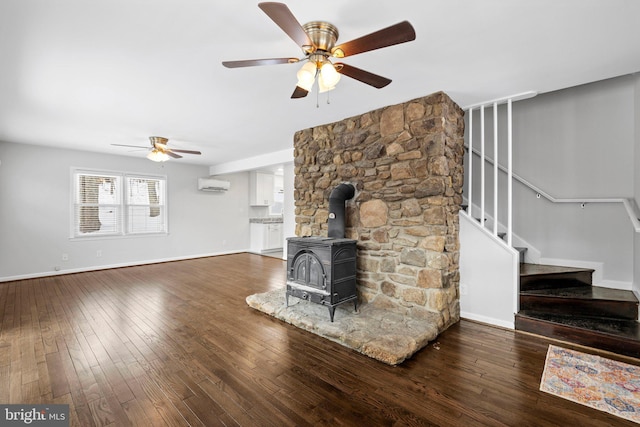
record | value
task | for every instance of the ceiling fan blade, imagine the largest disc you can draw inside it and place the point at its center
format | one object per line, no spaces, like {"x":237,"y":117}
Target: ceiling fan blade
{"x":184,"y":151}
{"x":362,"y":75}
{"x":399,"y":33}
{"x":172,"y":154}
{"x":299,"y":93}
{"x":282,"y":16}
{"x":256,"y":62}
{"x":131,"y":146}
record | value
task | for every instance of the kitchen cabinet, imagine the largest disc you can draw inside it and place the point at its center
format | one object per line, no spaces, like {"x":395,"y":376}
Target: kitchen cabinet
{"x":260,"y":189}
{"x":274,"y":236}
{"x":265,"y":237}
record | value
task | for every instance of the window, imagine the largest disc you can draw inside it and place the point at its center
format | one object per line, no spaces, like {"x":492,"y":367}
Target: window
{"x":116,"y":204}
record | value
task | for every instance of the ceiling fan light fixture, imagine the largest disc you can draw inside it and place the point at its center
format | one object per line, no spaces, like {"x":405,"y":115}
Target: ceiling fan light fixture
{"x":329,"y":77}
{"x":307,"y":75}
{"x":157,"y":155}
{"x":322,"y":88}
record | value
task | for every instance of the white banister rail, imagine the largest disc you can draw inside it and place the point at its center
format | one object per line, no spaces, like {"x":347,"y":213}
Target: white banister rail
{"x":495,"y":170}
{"x":509,"y":173}
{"x":517,"y":97}
{"x":482,"y":163}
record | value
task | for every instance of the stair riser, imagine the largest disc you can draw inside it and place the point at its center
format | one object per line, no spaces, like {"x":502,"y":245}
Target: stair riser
{"x":557,"y":280}
{"x":580,"y":307}
{"x":578,"y":336}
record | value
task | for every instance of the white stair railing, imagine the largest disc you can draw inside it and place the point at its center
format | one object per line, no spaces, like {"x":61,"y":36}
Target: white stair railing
{"x":484,"y":160}
{"x":629,"y":204}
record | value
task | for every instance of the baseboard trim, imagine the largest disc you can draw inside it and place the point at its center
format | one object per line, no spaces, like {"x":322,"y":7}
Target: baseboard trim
{"x":488,"y":320}
{"x":109,"y":266}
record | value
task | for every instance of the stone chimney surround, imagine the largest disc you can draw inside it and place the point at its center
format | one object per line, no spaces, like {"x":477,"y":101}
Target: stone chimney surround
{"x":406,"y":163}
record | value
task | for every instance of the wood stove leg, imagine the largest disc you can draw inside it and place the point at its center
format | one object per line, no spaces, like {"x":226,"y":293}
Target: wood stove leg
{"x":287,"y":298}
{"x":331,"y":312}
{"x":355,"y":305}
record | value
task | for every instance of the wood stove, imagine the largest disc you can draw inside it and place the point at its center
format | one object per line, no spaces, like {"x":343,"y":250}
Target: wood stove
{"x":323,"y":269}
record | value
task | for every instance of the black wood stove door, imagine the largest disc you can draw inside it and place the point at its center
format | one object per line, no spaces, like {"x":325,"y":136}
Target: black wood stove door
{"x":308,"y":270}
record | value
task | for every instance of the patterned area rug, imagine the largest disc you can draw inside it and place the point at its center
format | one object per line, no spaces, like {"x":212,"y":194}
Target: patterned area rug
{"x":594,"y":381}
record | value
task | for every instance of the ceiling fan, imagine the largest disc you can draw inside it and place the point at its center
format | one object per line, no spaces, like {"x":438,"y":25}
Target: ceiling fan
{"x":159,"y":151}
{"x":317,"y":40}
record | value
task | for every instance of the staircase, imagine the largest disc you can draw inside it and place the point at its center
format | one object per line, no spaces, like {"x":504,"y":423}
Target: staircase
{"x":561,"y":303}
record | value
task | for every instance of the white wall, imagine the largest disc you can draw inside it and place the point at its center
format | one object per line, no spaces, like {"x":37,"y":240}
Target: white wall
{"x":283,"y":158}
{"x":578,"y":141}
{"x":574,"y":143}
{"x":35,"y":210}
{"x":488,"y":270}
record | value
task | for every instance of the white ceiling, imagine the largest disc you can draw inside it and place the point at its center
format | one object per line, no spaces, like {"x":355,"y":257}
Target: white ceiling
{"x":85,"y":74}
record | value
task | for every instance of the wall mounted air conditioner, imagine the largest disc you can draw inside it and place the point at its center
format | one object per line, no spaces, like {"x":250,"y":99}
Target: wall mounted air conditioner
{"x":212,"y":184}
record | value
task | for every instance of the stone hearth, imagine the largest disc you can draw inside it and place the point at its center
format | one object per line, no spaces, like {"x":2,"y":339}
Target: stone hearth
{"x":388,"y":336}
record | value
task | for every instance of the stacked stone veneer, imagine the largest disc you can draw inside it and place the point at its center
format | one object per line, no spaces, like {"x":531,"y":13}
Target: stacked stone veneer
{"x":406,"y":162}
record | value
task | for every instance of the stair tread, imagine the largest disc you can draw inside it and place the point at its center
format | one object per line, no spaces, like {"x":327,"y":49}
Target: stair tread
{"x":540,"y":269}
{"x":625,"y":329}
{"x":586,"y":293}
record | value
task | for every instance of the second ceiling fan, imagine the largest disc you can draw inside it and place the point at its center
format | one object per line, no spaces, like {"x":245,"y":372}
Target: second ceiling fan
{"x":317,"y":40}
{"x":159,"y":150}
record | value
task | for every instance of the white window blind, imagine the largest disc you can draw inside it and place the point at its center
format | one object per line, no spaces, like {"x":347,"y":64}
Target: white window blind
{"x":146,"y":208}
{"x":113,"y":204}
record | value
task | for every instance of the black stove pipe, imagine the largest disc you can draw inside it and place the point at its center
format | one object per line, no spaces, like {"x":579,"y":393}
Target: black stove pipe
{"x":337,"y":199}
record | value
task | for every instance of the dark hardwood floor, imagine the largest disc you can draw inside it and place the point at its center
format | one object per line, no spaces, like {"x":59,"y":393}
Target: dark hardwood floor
{"x":176,"y":344}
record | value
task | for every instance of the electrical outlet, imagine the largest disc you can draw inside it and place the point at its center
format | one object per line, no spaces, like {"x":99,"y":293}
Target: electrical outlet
{"x":98,"y":253}
{"x":65,"y":257}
